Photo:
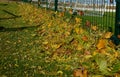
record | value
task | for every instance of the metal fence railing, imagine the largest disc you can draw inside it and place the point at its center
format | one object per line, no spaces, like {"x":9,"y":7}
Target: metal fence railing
{"x":101,"y":12}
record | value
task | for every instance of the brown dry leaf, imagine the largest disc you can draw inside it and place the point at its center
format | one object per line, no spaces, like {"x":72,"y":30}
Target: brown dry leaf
{"x":61,"y":14}
{"x":70,"y":11}
{"x":85,"y":38}
{"x":81,"y":13}
{"x":103,"y":51}
{"x":74,"y":42}
{"x":87,"y":23}
{"x":108,"y":34}
{"x":101,"y":44}
{"x":111,"y":44}
{"x":118,"y":36}
{"x":117,"y":75}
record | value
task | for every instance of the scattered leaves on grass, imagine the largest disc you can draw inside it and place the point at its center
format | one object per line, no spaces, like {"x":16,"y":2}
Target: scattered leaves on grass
{"x":58,"y":48}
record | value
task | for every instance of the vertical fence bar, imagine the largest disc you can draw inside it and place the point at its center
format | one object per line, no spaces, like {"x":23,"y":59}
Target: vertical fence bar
{"x":113,"y":14}
{"x":103,"y":12}
{"x":56,"y":5}
{"x":38,"y":3}
{"x":117,"y":20}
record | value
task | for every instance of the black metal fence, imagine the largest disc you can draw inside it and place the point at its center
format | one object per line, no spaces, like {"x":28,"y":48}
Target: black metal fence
{"x":97,"y":12}
{"x":101,"y":13}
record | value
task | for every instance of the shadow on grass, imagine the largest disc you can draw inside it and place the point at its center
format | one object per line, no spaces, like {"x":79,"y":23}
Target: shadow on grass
{"x":3,"y":29}
{"x":14,"y":16}
{"x":3,"y":4}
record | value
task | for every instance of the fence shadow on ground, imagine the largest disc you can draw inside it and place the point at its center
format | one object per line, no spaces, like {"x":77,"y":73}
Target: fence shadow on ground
{"x":14,"y":16}
{"x":3,"y":29}
{"x":3,"y":4}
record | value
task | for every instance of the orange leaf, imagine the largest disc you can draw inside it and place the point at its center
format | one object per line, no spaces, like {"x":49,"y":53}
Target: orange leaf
{"x":85,"y":73}
{"x":61,"y":14}
{"x":80,"y":73}
{"x":101,"y":44}
{"x":77,"y":73}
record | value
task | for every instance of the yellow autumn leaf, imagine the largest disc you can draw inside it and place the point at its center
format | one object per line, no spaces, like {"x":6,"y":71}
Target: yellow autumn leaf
{"x":108,"y":35}
{"x":116,"y":54}
{"x":45,"y":42}
{"x":94,"y":53}
{"x":88,"y":56}
{"x":79,"y":30}
{"x":78,"y":20}
{"x":67,"y":33}
{"x":101,"y":43}
{"x":94,"y":28}
{"x":79,"y":47}
{"x":59,"y":72}
{"x":49,"y":24}
{"x":56,"y":46}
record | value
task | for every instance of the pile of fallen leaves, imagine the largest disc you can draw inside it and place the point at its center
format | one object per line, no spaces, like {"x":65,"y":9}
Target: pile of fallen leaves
{"x":77,"y":47}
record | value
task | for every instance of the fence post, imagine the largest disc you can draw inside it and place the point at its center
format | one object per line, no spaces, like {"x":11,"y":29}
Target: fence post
{"x":25,"y":0}
{"x":117,"y":20}
{"x":56,"y":5}
{"x":38,"y":3}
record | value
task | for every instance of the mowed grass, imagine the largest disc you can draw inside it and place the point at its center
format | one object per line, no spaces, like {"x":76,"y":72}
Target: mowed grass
{"x":21,"y":54}
{"x":9,"y":15}
{"x":19,"y":49}
{"x":36,"y":52}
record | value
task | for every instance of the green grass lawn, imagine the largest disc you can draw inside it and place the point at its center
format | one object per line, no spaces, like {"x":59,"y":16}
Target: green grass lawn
{"x":52,"y":49}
